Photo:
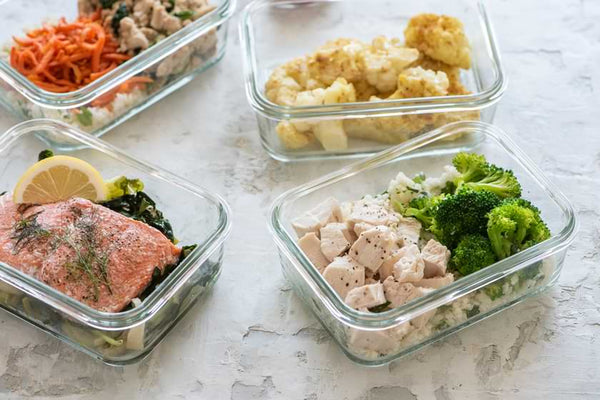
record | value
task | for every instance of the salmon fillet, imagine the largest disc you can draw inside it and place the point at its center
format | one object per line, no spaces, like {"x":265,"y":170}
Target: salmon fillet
{"x":83,"y":249}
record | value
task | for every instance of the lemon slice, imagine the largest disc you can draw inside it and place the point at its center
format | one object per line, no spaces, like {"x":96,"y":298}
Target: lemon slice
{"x":59,"y":178}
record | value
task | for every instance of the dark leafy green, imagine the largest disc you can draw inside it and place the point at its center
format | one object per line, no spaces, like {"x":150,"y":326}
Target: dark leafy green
{"x":107,"y":3}
{"x":45,"y":154}
{"x":380,"y":308}
{"x":121,"y":13}
{"x":473,"y":311}
{"x":141,"y":207}
{"x":171,"y":6}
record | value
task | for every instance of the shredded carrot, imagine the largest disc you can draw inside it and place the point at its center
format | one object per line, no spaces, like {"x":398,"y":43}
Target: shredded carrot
{"x":67,"y":56}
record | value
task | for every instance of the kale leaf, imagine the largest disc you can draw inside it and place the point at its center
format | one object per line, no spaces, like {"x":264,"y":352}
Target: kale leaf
{"x":121,"y":13}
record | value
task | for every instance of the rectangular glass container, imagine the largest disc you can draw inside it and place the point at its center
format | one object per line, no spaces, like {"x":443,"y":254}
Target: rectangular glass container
{"x":197,"y":216}
{"x":274,"y":32}
{"x":375,"y":339}
{"x":171,"y":63}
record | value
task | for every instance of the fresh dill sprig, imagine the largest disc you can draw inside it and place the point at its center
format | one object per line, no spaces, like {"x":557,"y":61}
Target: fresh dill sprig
{"x":27,"y":230}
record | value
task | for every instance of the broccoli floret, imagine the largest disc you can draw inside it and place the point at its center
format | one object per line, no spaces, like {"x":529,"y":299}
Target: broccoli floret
{"x":495,"y":290}
{"x":473,"y":253}
{"x":423,"y":208}
{"x":419,"y":178}
{"x":478,"y":174}
{"x":514,"y":226}
{"x":45,"y":154}
{"x":461,"y":214}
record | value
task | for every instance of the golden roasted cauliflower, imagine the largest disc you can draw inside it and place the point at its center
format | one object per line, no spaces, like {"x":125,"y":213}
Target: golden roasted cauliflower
{"x":440,"y":37}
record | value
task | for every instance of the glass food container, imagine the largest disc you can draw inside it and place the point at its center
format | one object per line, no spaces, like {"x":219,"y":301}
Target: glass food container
{"x":170,"y":63}
{"x":274,"y":32}
{"x":375,"y":339}
{"x":197,"y":216}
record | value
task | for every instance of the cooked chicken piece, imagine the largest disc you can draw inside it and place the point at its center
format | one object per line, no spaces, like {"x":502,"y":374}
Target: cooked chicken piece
{"x":361,"y":227}
{"x":163,"y":21}
{"x":380,"y":342}
{"x":336,"y":238}
{"x":142,"y":12}
{"x":341,"y":58}
{"x":440,"y":37}
{"x":402,"y":189}
{"x":346,"y":211}
{"x":344,"y":274}
{"x":371,"y":211}
{"x":409,"y":230}
{"x":384,"y":61}
{"x":399,"y":293}
{"x":175,"y":63}
{"x":387,"y":268}
{"x":410,"y":266}
{"x":366,"y":296}
{"x":132,"y":38}
{"x":436,"y":257}
{"x":437,"y":282}
{"x":312,"y":221}
{"x":419,"y":82}
{"x":373,"y":247}
{"x":311,"y":246}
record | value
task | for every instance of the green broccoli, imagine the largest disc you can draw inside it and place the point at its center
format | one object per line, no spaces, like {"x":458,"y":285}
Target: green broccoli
{"x":495,"y":290}
{"x":514,"y":226}
{"x":478,"y":174}
{"x":45,"y":154}
{"x":473,"y":253}
{"x":461,"y":214}
{"x":423,"y":208}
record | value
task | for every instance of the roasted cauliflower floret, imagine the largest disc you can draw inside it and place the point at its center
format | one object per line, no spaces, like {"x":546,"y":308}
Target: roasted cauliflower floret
{"x":453,"y":73}
{"x":341,"y":58}
{"x":384,"y":60}
{"x":291,"y":137}
{"x":281,"y":88}
{"x":419,"y":82}
{"x":440,"y":37}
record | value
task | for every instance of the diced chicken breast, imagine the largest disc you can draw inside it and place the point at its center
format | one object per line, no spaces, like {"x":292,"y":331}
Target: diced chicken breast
{"x":436,"y":257}
{"x":380,"y":342}
{"x":371,"y":211}
{"x":366,"y":296}
{"x":399,"y":293}
{"x":336,"y":238}
{"x":437,"y":282}
{"x":373,"y":247}
{"x":312,"y":221}
{"x":344,"y":274}
{"x":409,"y":230}
{"x":410,"y":266}
{"x":387,"y":268}
{"x":361,"y":227}
{"x":311,"y":246}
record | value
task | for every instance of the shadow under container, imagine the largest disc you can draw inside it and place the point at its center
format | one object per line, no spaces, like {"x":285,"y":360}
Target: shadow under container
{"x":170,"y":64}
{"x":197,"y":216}
{"x":375,"y":339}
{"x":274,"y":32}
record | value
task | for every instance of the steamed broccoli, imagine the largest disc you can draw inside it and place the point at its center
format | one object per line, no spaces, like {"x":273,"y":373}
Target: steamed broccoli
{"x":461,"y":214}
{"x":478,"y":174}
{"x":423,"y":208}
{"x":473,"y":253}
{"x":514,"y":226}
{"x":495,"y":290}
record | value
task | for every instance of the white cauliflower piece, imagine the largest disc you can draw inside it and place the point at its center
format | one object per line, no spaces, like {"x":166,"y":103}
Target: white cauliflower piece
{"x":341,"y":58}
{"x":385,"y":60}
{"x":419,"y":82}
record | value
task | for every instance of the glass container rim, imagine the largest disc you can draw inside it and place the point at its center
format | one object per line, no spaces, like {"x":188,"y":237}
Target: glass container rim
{"x":124,"y":71}
{"x":170,"y":286}
{"x":265,"y":107}
{"x":375,"y":321}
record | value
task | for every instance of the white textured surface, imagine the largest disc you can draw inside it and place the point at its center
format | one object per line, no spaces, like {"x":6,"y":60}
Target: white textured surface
{"x":252,"y":338}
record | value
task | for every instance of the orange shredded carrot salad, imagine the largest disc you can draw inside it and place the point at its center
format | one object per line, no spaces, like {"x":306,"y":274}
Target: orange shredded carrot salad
{"x":67,"y":56}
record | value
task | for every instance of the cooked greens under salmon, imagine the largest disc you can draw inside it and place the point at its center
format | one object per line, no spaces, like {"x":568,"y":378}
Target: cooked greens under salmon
{"x":84,"y":250}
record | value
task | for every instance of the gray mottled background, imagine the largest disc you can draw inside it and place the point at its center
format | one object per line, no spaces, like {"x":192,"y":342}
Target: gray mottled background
{"x":251,"y":338}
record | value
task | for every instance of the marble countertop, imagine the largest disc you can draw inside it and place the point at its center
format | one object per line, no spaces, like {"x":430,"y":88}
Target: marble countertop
{"x":257,"y":341}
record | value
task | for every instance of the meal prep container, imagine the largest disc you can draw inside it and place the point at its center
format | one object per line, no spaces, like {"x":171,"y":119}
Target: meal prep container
{"x":171,"y":63}
{"x":274,"y":32}
{"x":375,"y":339}
{"x":197,"y":216}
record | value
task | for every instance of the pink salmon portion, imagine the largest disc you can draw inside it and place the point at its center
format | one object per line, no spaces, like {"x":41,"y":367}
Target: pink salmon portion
{"x":85,"y":250}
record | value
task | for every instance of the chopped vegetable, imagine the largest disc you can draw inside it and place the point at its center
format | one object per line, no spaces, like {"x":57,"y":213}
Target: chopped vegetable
{"x":84,"y":116}
{"x":121,"y":13}
{"x":478,"y":174}
{"x":66,"y":56}
{"x":45,"y":154}
{"x":121,"y":185}
{"x":424,"y":208}
{"x":473,"y":253}
{"x":183,"y":15}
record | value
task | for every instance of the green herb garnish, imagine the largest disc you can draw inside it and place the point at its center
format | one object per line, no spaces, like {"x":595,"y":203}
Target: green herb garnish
{"x":121,"y":13}
{"x":183,"y":15}
{"x":171,"y":6}
{"x":26,"y":231}
{"x":84,"y":116}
